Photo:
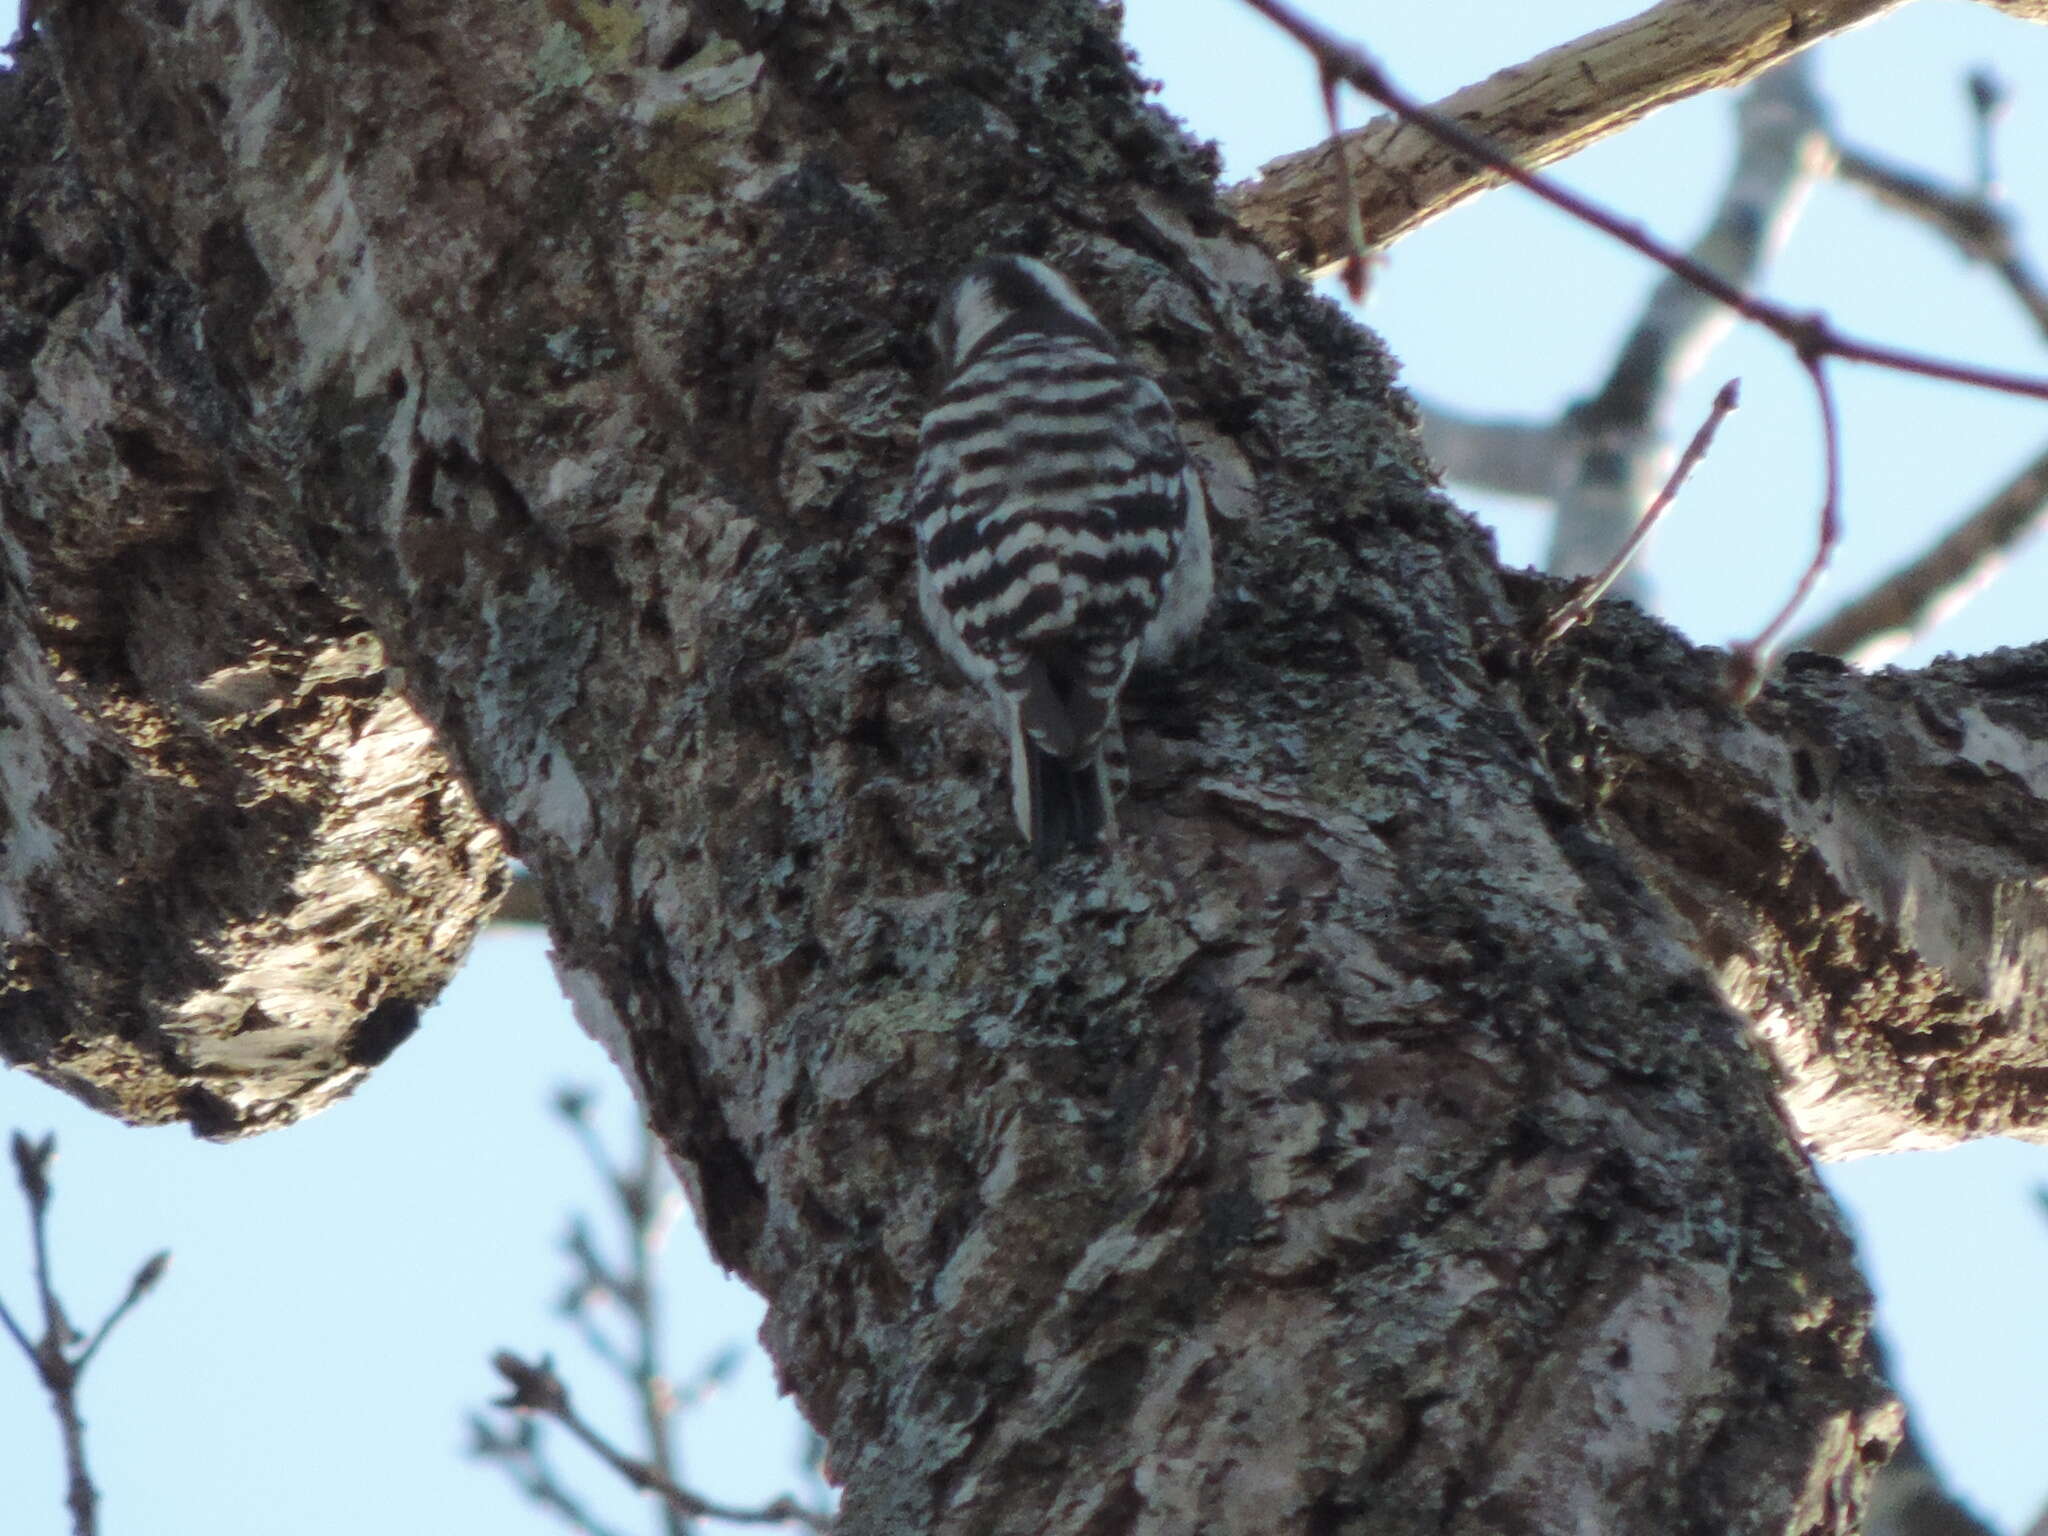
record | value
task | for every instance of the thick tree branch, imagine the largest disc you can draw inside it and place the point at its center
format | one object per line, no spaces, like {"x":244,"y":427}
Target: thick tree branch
{"x":1361,"y":1145}
{"x":1557,"y":104}
{"x":1863,"y":862}
{"x":236,"y":865}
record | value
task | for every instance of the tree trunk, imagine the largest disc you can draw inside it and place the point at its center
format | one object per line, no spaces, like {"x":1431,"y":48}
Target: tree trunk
{"x":1371,"y":1143}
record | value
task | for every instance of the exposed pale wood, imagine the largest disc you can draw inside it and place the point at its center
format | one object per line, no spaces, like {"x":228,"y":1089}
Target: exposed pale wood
{"x":1363,"y":1144}
{"x":235,"y":863}
{"x":1553,"y":106}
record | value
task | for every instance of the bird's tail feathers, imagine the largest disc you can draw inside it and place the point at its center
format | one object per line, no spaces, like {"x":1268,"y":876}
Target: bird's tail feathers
{"x":1064,"y":805}
{"x":1066,"y":756}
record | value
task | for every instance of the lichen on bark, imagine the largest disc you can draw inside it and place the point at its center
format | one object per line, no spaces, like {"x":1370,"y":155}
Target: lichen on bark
{"x":1367,"y":1143}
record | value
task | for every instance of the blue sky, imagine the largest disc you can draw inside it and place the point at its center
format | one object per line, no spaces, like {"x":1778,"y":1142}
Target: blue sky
{"x":307,"y":1365}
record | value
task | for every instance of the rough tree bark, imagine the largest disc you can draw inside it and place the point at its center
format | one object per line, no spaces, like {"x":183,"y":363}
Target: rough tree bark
{"x":1373,"y":1143}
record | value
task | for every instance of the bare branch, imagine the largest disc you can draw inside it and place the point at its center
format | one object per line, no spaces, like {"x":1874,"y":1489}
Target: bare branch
{"x":1781,"y":149}
{"x":1779,"y":125}
{"x":1615,"y":442}
{"x":145,"y":1280}
{"x":15,"y":1330}
{"x":1582,"y":602}
{"x":1551,"y":107}
{"x":1748,"y":661}
{"x":1926,"y":590}
{"x":55,"y":1367}
{"x":1962,"y":561}
{"x":647,"y":1203}
{"x":1810,"y":335}
{"x":56,"y":1360}
{"x":1978,"y":227}
{"x":645,"y":1198}
{"x":1513,"y":458}
{"x":536,"y":1389}
{"x":525,"y":1460}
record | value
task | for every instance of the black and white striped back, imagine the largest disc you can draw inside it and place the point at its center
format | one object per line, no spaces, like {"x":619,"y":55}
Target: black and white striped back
{"x":1061,"y":531}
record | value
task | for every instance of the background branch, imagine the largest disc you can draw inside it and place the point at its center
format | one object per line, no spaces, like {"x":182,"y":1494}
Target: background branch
{"x":1923,"y":591}
{"x":536,"y":1389}
{"x":57,"y":1357}
{"x":644,"y":1201}
{"x":1614,"y":443}
{"x":1920,"y":594}
{"x":1907,"y":1498}
{"x":1810,"y":336}
{"x":1600,"y":461}
{"x":1509,"y":456}
{"x":1972,"y":221}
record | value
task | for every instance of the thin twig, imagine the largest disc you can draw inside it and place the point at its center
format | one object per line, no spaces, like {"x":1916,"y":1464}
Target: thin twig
{"x":51,"y":1356}
{"x":645,"y":1208}
{"x":1923,"y":592}
{"x":58,"y":1363}
{"x":1615,"y":439}
{"x":1937,"y":582}
{"x":14,"y":1328}
{"x":1598,"y":463}
{"x":537,"y":1389}
{"x":645,"y":1199}
{"x":1809,"y":335}
{"x":1987,"y":104}
{"x":35,"y":1188}
{"x":526,"y":1463}
{"x":550,"y":1492}
{"x":146,"y":1277}
{"x":1977,"y":226}
{"x":1749,"y":660}
{"x":1581,"y":603}
{"x":1356,"y":262}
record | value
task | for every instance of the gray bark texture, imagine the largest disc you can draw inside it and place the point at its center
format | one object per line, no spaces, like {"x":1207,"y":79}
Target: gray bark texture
{"x":234,"y":862}
{"x":422,"y":419}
